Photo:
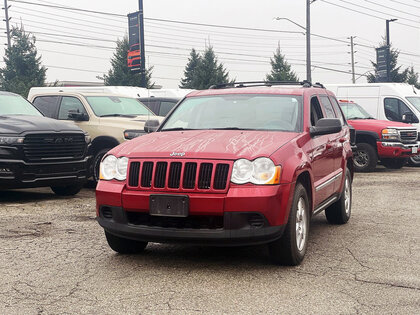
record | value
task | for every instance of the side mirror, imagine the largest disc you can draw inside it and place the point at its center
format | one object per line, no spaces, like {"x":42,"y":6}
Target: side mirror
{"x":407,"y":117}
{"x":151,"y":125}
{"x":326,"y":126}
{"x":75,"y":115}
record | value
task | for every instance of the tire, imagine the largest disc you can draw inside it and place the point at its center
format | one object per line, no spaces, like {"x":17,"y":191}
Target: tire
{"x":124,"y":245}
{"x":290,"y":249}
{"x":97,"y":162}
{"x":365,"y":158}
{"x":68,"y":190}
{"x":414,"y":160}
{"x":394,"y":163}
{"x":340,"y":211}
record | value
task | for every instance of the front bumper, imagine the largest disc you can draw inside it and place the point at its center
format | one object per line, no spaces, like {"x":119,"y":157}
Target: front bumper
{"x":243,"y":216}
{"x":238,"y":229}
{"x":20,"y":174}
{"x":397,"y":149}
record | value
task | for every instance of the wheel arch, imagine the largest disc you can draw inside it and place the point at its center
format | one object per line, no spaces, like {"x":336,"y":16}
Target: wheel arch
{"x":368,"y":137}
{"x":305,"y":179}
{"x":102,"y":142}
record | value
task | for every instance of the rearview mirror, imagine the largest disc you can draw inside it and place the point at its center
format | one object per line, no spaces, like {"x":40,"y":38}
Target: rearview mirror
{"x":151,"y":125}
{"x":407,"y":117}
{"x":326,"y":126}
{"x":75,"y":115}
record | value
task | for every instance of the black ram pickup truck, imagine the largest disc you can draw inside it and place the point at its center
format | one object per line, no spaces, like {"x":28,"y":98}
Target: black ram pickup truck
{"x":36,"y":151}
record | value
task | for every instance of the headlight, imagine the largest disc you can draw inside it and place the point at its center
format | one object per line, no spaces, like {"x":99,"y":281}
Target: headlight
{"x":261,"y":171}
{"x":390,"y":134}
{"x":131,"y":134}
{"x":10,"y":140}
{"x":113,"y":168}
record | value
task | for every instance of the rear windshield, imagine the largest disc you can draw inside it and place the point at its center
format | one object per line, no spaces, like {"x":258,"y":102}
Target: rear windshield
{"x":16,"y":105}
{"x":244,"y":111}
{"x":117,"y":106}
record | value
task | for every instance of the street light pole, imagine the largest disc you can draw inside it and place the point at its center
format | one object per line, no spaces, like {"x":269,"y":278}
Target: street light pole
{"x":388,"y":44}
{"x":308,"y":41}
{"x":142,"y":49}
{"x":388,"y":41}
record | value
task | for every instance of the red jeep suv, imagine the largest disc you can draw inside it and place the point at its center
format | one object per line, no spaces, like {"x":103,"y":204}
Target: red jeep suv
{"x":238,"y":164}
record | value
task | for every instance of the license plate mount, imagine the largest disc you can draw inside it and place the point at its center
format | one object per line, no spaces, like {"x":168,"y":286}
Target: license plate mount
{"x":414,"y":150}
{"x":169,"y":205}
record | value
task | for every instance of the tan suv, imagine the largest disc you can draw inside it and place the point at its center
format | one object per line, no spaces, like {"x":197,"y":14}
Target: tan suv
{"x":109,"y":119}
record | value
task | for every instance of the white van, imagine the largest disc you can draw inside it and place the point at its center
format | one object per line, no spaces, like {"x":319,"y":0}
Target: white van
{"x":387,"y":101}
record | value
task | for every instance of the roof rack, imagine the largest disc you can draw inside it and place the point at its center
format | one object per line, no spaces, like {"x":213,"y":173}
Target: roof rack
{"x":263,"y":83}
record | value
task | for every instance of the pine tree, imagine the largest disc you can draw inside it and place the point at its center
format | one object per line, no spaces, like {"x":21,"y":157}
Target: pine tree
{"x":281,"y":70}
{"x":190,"y":72}
{"x":413,"y":77}
{"x":120,"y":74}
{"x":23,"y":68}
{"x":395,"y":74}
{"x":210,"y":71}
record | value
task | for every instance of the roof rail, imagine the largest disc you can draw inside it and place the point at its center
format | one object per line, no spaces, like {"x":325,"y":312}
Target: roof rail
{"x":262,"y":83}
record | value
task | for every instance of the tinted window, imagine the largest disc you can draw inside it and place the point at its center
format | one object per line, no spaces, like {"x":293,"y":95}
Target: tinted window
{"x":329,"y":111}
{"x":395,"y":108}
{"x":316,"y":112}
{"x":11,"y":104}
{"x":47,"y":105}
{"x":336,"y":107}
{"x":165,"y":107}
{"x":152,"y":104}
{"x":70,"y":103}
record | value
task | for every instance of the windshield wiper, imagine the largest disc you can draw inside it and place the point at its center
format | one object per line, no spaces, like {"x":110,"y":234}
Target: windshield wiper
{"x":230,"y":128}
{"x":177,"y":129}
{"x":118,"y":115}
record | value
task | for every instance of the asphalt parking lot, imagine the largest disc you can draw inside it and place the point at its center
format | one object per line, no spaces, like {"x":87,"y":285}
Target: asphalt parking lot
{"x":54,"y":260}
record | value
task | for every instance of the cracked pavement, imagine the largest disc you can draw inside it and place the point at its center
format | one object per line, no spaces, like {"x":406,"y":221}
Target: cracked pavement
{"x":54,"y":259}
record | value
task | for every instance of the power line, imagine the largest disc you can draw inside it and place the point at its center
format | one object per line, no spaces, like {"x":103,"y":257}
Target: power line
{"x":374,"y":16}
{"x":409,"y":5}
{"x":384,"y":6}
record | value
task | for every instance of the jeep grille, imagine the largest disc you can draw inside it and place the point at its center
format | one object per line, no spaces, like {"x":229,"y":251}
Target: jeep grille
{"x":179,"y":175}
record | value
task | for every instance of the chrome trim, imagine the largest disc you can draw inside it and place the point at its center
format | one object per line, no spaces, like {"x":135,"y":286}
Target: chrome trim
{"x":330,"y":181}
{"x":322,"y":207}
{"x":400,"y":145}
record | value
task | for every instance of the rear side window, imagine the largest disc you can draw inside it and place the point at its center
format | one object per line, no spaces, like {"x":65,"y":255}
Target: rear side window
{"x":316,"y":111}
{"x":165,"y":107}
{"x":70,"y":103}
{"x":337,"y":109}
{"x":329,"y":111}
{"x":47,"y":105}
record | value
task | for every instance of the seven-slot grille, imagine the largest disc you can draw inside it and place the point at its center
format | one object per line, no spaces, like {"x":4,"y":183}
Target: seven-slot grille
{"x":39,"y":147}
{"x":179,"y":175}
{"x":408,"y":135}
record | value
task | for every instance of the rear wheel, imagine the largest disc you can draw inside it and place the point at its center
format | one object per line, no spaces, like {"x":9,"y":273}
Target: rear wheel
{"x":67,"y":190}
{"x":365,"y":158}
{"x":340,"y":211}
{"x":414,"y":160}
{"x":124,"y":245}
{"x":290,"y":249}
{"x":394,"y":163}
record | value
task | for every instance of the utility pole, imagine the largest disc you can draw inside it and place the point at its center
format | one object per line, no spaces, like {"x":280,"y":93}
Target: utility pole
{"x":141,"y":42}
{"x":7,"y":19}
{"x":353,"y":78}
{"x":308,"y":41}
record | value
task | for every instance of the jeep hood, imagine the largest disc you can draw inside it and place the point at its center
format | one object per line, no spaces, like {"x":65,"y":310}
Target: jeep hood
{"x":205,"y":144}
{"x":21,"y":124}
{"x":136,"y":123}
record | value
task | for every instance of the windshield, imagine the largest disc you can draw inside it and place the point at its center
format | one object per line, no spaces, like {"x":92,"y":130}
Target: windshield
{"x":415,"y":101}
{"x":16,"y":105}
{"x":245,"y":111}
{"x":104,"y":106}
{"x":354,"y":111}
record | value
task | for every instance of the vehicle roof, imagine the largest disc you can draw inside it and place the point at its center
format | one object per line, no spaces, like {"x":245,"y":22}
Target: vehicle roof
{"x":272,"y":90}
{"x":8,"y":93}
{"x":72,"y":92}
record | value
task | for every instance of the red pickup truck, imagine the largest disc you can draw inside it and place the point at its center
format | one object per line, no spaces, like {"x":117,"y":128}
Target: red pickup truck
{"x":389,"y":142}
{"x":238,"y":164}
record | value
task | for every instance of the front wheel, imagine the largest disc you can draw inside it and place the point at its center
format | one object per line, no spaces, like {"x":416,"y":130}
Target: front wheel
{"x":96,"y":163}
{"x":67,"y":190}
{"x":394,"y":163}
{"x":365,"y":158}
{"x":340,"y":211}
{"x":414,"y":160}
{"x":290,"y":249}
{"x":124,"y":245}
